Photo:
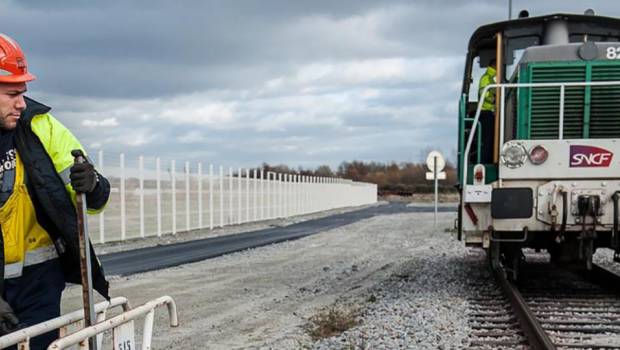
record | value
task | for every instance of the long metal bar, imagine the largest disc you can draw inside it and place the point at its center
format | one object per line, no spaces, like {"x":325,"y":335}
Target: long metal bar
{"x":116,"y":321}
{"x":436,"y":189}
{"x":221,"y":179}
{"x":59,"y":322}
{"x":502,"y":109}
{"x":187,"y":198}
{"x":517,"y":85}
{"x":231,"y":196}
{"x":173,"y":193}
{"x":210,"y":196}
{"x":123,"y":204}
{"x":536,"y":335}
{"x":85,"y":263}
{"x":158,"y":192}
{"x":141,"y":184}
{"x":561,"y":123}
{"x":502,"y":114}
{"x":499,"y":58}
{"x":200,"y":208}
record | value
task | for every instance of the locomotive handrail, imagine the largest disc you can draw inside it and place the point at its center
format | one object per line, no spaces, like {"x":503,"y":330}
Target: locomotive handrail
{"x":502,"y":88}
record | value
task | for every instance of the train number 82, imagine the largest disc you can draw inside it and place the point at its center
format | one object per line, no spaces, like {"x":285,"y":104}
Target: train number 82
{"x":613,"y":53}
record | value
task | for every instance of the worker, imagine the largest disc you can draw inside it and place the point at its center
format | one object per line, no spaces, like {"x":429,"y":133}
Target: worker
{"x":38,"y":185}
{"x":487,"y":114}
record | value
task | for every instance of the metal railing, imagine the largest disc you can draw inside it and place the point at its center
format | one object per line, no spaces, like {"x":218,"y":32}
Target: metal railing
{"x":22,"y":337}
{"x":153,"y":197}
{"x":147,"y":310}
{"x":502,"y":88}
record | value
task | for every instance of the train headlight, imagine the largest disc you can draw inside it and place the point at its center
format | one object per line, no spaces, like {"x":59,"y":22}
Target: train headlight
{"x":513,"y":154}
{"x":538,"y":154}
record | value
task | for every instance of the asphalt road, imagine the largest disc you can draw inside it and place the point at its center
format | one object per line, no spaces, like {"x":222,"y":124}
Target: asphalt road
{"x":160,"y":257}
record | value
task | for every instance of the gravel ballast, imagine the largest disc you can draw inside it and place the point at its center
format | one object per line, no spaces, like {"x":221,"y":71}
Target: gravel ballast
{"x":406,"y":283}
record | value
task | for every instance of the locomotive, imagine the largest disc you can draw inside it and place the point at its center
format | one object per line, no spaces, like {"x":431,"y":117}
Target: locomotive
{"x":553,"y":183}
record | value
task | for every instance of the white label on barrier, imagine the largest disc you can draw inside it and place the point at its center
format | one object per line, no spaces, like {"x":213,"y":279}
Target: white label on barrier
{"x":124,"y":337}
{"x":478,"y":193}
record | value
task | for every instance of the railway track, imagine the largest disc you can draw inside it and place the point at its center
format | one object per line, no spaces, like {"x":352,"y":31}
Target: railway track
{"x":554,"y":309}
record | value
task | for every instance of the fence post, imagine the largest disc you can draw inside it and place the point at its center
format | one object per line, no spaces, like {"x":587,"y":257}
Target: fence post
{"x":262,"y":194}
{"x":123,"y":218}
{"x":255,"y":195}
{"x":230,"y":196}
{"x":247,"y":195}
{"x":279,"y":198}
{"x":211,"y":196}
{"x":293,"y":194}
{"x":101,"y":215}
{"x":269,"y":200}
{"x":240,"y":196}
{"x":141,"y":171}
{"x":288,"y":182}
{"x":221,"y":179}
{"x":297,"y":193}
{"x":200,"y":222}
{"x":187,"y":201}
{"x":174,"y":195}
{"x":302,"y":205}
{"x":158,"y":194}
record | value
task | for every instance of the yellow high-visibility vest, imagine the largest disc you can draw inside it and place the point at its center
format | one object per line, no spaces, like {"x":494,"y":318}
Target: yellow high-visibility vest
{"x":487,"y":79}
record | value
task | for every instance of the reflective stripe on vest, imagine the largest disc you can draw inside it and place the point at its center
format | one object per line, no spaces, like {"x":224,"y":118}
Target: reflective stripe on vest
{"x":32,"y":257}
{"x":65,"y":175}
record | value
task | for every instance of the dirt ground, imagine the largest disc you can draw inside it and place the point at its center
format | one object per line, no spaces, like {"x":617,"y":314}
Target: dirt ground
{"x":263,"y":298}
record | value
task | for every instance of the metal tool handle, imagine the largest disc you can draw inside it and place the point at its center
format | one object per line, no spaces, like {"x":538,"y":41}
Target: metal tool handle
{"x":85,"y":263}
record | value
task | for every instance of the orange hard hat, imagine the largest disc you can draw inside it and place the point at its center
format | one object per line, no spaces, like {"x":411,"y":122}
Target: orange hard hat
{"x":13,"y":66}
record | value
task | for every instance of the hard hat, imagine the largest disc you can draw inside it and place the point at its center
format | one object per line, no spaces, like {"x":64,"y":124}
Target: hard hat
{"x":13,"y":66}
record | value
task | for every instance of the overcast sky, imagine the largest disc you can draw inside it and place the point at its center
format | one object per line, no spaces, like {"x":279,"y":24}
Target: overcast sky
{"x":239,"y":83}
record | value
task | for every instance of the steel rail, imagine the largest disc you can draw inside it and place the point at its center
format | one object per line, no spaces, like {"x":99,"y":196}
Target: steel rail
{"x":533,"y":330}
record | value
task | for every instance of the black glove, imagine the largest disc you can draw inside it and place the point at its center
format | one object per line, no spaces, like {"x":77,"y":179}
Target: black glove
{"x":83,"y":177}
{"x":8,"y":321}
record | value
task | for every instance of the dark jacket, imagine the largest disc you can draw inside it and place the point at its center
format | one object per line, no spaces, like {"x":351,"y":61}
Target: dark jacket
{"x":55,"y":210}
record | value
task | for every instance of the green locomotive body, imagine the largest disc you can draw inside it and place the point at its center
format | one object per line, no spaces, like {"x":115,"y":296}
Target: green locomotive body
{"x":554,"y":182}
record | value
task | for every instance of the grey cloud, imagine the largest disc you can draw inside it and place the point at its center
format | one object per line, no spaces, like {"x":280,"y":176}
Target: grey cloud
{"x":131,"y":60}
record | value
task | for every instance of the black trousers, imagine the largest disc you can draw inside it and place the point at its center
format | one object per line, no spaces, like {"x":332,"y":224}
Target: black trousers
{"x":35,"y":298}
{"x":487,"y":124}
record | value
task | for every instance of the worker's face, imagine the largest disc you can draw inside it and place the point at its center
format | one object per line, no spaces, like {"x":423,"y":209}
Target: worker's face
{"x":11,"y":104}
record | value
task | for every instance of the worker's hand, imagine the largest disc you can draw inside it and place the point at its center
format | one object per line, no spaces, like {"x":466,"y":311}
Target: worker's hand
{"x":8,"y":321}
{"x":83,"y":177}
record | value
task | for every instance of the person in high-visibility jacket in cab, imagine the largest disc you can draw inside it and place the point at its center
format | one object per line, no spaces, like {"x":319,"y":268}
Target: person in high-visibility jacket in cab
{"x":487,"y":113}
{"x":38,"y":184}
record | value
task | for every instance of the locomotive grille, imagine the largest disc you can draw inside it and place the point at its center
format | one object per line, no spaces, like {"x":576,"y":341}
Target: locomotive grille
{"x":598,"y":104}
{"x":605,"y":103}
{"x":545,"y":102}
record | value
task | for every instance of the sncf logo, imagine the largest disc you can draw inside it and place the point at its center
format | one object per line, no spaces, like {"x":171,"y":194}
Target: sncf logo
{"x":588,"y":156}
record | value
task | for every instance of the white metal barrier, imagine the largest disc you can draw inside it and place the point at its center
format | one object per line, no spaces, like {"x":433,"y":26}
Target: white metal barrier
{"x":122,"y":327}
{"x":502,"y":111}
{"x":63,"y":323}
{"x":153,"y":197}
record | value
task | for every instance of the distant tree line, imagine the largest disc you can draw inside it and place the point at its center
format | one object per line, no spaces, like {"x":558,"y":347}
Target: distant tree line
{"x":398,"y":178}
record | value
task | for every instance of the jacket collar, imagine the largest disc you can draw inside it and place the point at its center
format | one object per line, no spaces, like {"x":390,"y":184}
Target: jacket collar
{"x":32,"y":108}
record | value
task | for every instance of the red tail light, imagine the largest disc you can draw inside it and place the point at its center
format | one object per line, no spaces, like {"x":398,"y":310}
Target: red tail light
{"x":479,"y":171}
{"x":479,"y":176}
{"x":538,"y":154}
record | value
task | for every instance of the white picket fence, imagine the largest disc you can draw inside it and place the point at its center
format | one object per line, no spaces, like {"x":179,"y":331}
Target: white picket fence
{"x":153,"y":197}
